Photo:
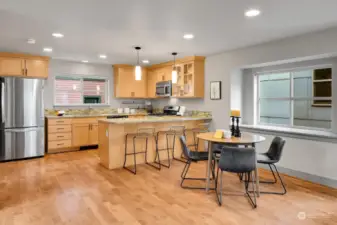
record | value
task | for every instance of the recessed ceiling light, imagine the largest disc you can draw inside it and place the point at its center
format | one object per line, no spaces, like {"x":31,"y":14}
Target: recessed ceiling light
{"x":188,"y":36}
{"x":85,"y":61}
{"x":47,"y":49}
{"x":145,"y":61}
{"x":31,"y":41}
{"x":102,"y":56}
{"x":58,"y":35}
{"x":252,"y":12}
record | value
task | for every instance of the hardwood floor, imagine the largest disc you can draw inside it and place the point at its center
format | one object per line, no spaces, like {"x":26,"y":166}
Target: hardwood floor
{"x":72,"y":188}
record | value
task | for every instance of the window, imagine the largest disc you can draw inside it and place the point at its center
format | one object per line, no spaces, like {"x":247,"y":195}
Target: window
{"x":300,"y":98}
{"x":79,"y":91}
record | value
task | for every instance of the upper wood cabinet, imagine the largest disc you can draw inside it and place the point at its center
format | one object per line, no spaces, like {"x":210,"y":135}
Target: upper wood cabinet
{"x":190,"y":84}
{"x":164,"y":73}
{"x":36,"y":68}
{"x":12,"y":67}
{"x":125,"y":84}
{"x":22,"y":65}
{"x":151,"y":84}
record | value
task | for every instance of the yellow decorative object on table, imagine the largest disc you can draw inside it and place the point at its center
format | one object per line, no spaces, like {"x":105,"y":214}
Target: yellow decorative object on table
{"x":235,"y":113}
{"x":218,"y":134}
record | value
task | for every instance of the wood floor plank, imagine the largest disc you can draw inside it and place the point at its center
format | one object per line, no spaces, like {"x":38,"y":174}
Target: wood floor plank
{"x":72,"y":188}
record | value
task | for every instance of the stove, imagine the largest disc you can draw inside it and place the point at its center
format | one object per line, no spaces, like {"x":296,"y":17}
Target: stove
{"x":168,"y":111}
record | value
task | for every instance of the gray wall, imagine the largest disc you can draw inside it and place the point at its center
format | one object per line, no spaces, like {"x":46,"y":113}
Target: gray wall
{"x":60,"y":67}
{"x":317,"y":158}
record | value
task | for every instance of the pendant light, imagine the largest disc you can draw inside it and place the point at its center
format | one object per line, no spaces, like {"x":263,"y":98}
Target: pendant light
{"x":174,"y":71}
{"x":138,"y":69}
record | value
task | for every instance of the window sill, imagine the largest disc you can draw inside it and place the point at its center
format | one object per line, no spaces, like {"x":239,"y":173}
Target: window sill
{"x":319,"y":135}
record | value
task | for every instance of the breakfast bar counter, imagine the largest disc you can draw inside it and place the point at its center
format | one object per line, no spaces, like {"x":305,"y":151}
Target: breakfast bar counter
{"x":112,"y":133}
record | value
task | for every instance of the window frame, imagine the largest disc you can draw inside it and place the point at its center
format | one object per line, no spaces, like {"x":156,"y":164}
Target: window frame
{"x":291,"y":99}
{"x":81,"y":78}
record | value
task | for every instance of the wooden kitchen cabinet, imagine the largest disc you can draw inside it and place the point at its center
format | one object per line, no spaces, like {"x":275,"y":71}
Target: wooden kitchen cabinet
{"x":93,"y":134}
{"x":80,"y":134}
{"x":69,"y":134}
{"x":13,"y":64}
{"x":164,"y":73}
{"x":151,"y":84}
{"x":126,"y":86}
{"x":36,"y":68}
{"x":190,"y":83}
{"x":11,"y":67}
{"x":191,"y":79}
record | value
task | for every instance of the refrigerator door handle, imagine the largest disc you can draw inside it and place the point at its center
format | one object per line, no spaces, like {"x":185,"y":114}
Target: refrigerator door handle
{"x":3,"y":101}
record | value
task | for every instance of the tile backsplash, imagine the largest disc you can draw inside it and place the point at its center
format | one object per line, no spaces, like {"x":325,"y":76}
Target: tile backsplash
{"x":98,"y":111}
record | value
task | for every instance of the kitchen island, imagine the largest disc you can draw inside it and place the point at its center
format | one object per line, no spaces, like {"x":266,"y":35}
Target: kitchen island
{"x":111,"y":138}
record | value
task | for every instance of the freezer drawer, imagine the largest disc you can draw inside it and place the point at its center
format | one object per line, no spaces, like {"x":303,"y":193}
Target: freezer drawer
{"x":21,"y":143}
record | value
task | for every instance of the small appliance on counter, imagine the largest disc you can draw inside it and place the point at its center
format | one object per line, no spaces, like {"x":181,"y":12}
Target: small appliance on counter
{"x":164,"y":89}
{"x":168,"y":111}
{"x":127,"y":110}
{"x":182,"y":110}
{"x":60,"y":113}
{"x":148,"y":107}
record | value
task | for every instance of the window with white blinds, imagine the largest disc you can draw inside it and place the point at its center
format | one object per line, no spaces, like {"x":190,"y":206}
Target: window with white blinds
{"x":79,"y":91}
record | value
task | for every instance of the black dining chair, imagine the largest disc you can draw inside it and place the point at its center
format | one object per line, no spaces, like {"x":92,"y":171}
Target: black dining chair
{"x":270,"y":158}
{"x":237,"y":160}
{"x":192,"y":156}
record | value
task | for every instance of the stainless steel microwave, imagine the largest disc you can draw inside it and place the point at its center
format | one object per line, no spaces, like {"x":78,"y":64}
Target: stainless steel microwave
{"x":164,"y":88}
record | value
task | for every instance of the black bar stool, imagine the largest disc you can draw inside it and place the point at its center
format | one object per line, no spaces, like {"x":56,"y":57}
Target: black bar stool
{"x":201,"y":128}
{"x":142,"y":133}
{"x":172,"y":132}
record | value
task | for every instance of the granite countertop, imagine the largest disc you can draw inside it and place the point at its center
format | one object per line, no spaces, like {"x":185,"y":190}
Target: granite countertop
{"x":152,"y":119}
{"x":94,"y":115}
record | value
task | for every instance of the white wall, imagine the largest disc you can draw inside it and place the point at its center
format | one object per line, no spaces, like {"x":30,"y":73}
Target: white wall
{"x":64,"y":68}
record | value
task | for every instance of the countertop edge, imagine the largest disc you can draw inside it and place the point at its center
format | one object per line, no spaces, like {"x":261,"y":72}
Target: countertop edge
{"x":90,"y":116}
{"x":134,"y":121}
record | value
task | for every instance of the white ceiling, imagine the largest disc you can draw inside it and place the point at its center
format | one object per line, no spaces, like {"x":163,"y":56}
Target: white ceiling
{"x":114,"y":27}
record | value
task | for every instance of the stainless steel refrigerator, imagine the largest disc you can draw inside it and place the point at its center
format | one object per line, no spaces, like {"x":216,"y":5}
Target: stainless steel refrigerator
{"x":22,"y":118}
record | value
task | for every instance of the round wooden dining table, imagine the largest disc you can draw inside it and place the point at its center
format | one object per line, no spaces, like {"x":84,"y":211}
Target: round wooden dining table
{"x":246,"y":140}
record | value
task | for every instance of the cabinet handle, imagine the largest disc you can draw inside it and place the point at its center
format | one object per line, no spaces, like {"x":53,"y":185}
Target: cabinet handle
{"x":26,"y":72}
{"x":60,"y":136}
{"x":23,"y":71}
{"x":60,"y":144}
{"x":60,"y":129}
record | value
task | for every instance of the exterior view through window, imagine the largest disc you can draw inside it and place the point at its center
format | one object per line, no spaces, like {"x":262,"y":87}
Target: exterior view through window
{"x":297,"y":98}
{"x":78,"y":91}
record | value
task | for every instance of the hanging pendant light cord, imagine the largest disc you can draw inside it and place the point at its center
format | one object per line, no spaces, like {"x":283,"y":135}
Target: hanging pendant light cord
{"x":174,"y":58}
{"x":137,"y":57}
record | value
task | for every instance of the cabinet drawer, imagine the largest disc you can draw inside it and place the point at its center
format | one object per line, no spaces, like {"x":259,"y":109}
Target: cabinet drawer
{"x":59,"y":129}
{"x":59,"y":136}
{"x":59,"y":144}
{"x":52,"y":122}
